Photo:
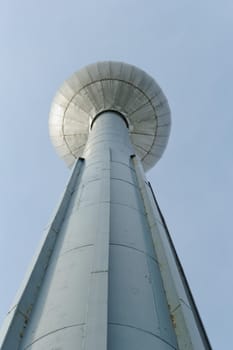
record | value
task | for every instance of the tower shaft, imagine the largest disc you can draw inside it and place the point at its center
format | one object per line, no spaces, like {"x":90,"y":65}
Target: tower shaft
{"x":107,"y":276}
{"x":102,"y":287}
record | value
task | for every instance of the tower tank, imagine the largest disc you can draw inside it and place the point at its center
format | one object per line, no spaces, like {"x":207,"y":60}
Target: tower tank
{"x":107,"y":276}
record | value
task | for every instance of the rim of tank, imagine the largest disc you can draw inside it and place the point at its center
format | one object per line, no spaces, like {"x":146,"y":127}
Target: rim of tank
{"x":110,"y":86}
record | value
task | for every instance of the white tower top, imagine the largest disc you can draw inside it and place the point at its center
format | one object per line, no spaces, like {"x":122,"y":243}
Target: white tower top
{"x":115,"y":86}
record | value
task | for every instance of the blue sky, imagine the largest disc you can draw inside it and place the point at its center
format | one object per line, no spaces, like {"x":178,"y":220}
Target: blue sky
{"x":187,"y":47}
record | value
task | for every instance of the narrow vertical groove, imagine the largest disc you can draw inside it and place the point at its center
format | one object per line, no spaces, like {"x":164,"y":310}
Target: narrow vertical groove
{"x":97,"y":306}
{"x":184,"y":279}
{"x":184,"y":322}
{"x":141,"y":185}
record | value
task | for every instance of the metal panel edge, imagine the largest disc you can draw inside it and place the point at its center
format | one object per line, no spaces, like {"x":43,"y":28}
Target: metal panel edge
{"x":187,"y":324}
{"x":18,"y":316}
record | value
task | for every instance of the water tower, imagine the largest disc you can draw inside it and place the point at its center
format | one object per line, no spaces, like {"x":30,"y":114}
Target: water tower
{"x":107,"y":276}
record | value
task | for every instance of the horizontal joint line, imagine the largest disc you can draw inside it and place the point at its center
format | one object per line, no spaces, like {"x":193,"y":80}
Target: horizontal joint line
{"x":76,"y":248}
{"x":54,"y":331}
{"x":138,"y":250}
{"x":143,"y":330}
{"x":100,"y":271}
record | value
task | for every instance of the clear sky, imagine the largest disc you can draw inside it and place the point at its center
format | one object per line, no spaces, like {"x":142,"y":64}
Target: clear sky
{"x":187,"y":46}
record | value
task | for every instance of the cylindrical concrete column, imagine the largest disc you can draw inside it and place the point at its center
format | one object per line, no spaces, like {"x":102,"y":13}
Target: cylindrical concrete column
{"x":102,"y":288}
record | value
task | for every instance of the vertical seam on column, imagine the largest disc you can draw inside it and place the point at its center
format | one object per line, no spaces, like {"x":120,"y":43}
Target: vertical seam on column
{"x":140,"y":185}
{"x":183,"y":280}
{"x":142,"y":188}
{"x":100,"y":266}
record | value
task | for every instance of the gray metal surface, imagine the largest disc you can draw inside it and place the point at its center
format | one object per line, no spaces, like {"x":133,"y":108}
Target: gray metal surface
{"x":102,"y":287}
{"x":110,"y":86}
{"x":106,"y":276}
{"x":188,"y":328}
{"x":15,"y":323}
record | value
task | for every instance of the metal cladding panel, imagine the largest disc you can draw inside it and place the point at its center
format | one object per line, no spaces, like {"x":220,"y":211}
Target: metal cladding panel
{"x":120,"y":338}
{"x":18,"y":317}
{"x":79,"y":232}
{"x":107,"y":86}
{"x":127,"y":227}
{"x":126,"y":194}
{"x":50,"y":309}
{"x":137,"y":302}
{"x":96,"y":283}
{"x":136,"y":296}
{"x":123,"y":171}
{"x":187,"y":324}
{"x":64,"y":337}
